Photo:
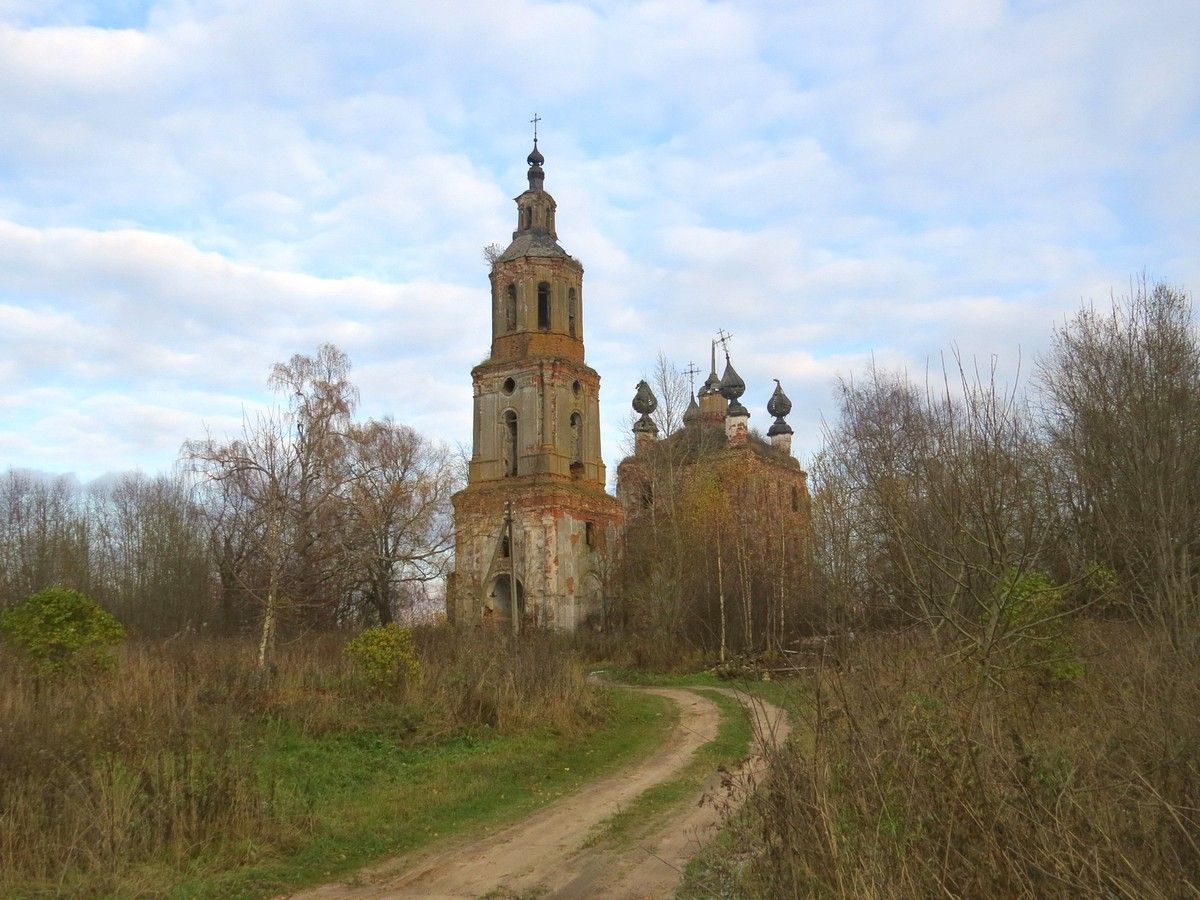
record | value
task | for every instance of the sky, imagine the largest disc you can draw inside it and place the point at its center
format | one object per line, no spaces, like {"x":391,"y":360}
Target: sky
{"x":192,"y":190}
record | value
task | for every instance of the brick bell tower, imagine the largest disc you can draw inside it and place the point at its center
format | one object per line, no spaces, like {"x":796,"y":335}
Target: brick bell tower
{"x":534,"y":527}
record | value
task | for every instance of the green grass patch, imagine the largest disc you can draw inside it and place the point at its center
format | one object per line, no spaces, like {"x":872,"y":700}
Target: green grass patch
{"x":729,"y":747}
{"x":787,"y":693}
{"x":357,"y":797}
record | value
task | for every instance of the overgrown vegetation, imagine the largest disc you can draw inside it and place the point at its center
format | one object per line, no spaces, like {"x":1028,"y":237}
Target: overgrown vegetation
{"x":915,"y":780}
{"x":193,"y":764}
{"x":715,"y":563}
{"x":385,"y":657}
{"x":1010,"y":705}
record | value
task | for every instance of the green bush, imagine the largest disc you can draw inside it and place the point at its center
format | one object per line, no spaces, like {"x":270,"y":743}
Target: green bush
{"x":61,"y":630}
{"x":1030,"y":605}
{"x":1098,"y":586}
{"x":1027,"y":598}
{"x":385,"y":656}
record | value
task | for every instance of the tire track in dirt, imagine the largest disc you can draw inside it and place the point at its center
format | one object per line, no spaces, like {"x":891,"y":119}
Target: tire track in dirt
{"x":546,"y":854}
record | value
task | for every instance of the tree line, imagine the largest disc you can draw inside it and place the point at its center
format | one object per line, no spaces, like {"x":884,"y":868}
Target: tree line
{"x":306,"y":519}
{"x":945,"y":502}
{"x":939,"y":502}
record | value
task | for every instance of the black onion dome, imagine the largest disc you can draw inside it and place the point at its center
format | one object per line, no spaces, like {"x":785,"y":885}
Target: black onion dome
{"x":536,"y":175}
{"x":644,"y":400}
{"x":779,"y":405}
{"x":732,"y":385}
{"x":692,"y":413}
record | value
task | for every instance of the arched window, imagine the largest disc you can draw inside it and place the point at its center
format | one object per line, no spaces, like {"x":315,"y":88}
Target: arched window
{"x":576,"y":437}
{"x":544,"y":306}
{"x":795,"y":499}
{"x":571,"y":311}
{"x":510,"y":443}
{"x":510,"y":307}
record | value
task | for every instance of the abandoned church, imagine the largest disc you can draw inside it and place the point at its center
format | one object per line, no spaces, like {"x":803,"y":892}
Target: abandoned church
{"x":536,"y":533}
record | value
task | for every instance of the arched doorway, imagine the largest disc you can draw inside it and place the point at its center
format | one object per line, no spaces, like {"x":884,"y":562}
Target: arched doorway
{"x":500,"y":601}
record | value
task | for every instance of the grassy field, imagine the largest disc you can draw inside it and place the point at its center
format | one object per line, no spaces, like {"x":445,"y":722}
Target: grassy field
{"x":369,"y":797}
{"x":189,"y":774}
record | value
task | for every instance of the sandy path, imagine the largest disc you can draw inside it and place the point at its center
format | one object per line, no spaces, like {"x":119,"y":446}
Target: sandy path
{"x":543,"y":855}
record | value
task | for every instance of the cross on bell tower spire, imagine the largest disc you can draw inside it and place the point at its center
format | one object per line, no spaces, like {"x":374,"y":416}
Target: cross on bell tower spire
{"x":536,"y":176}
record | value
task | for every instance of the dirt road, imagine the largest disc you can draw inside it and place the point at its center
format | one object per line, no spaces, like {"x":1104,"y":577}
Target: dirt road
{"x":546,"y":853}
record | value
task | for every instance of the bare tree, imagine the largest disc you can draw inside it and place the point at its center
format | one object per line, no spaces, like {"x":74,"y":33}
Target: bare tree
{"x":673,"y":393}
{"x":933,"y":506}
{"x":289,"y":468}
{"x":150,"y":554}
{"x":230,"y":516}
{"x":1122,"y":411}
{"x":44,"y":537}
{"x":398,"y":528}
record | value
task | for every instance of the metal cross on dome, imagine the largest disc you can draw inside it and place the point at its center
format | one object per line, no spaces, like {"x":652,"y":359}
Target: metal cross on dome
{"x":536,"y":118}
{"x":691,"y":372}
{"x":723,"y":338}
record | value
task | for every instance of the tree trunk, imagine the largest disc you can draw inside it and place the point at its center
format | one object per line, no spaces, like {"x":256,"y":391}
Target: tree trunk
{"x":721,"y":601}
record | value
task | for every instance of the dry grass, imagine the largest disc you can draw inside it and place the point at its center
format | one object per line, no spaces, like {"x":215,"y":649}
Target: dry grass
{"x":484,"y":678}
{"x":165,"y":760}
{"x":920,"y":778}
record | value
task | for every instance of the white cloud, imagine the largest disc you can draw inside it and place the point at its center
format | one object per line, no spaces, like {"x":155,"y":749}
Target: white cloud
{"x":193,"y":189}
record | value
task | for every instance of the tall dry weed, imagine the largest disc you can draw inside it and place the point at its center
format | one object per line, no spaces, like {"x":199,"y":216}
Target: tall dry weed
{"x":487,"y":678}
{"x":920,"y":777}
{"x":163,"y":761}
{"x":149,"y":761}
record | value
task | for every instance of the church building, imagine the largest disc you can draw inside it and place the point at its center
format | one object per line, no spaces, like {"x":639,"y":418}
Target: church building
{"x":740,"y":502}
{"x":716,"y":437}
{"x":535,"y":528}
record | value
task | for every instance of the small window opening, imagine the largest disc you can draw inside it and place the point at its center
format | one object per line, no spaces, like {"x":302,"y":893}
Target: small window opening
{"x":544,"y":306}
{"x":575,"y":388}
{"x":647,"y":495}
{"x":505,"y":546}
{"x":576,"y":437}
{"x":510,"y":443}
{"x":571,"y":311}
{"x":589,"y":534}
{"x":795,"y":499}
{"x":509,"y":386}
{"x":510,"y":308}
